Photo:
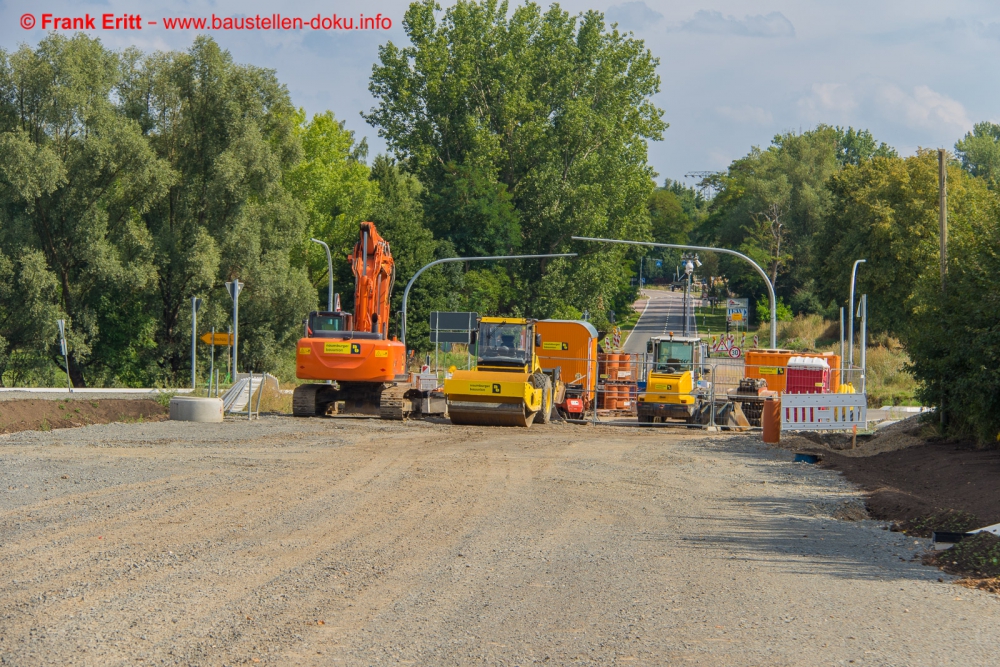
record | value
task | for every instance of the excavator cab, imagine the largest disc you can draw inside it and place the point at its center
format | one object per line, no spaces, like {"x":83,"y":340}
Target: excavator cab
{"x":328,"y":325}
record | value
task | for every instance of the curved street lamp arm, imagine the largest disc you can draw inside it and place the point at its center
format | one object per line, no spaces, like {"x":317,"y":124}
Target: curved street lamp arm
{"x":406,"y":291}
{"x":763,"y":274}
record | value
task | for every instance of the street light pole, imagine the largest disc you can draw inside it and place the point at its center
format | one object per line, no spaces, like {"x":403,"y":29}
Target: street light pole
{"x":195,"y":305}
{"x":329,"y":270}
{"x":850,"y":334}
{"x":727,"y":251}
{"x":406,"y":291}
{"x":235,"y":287}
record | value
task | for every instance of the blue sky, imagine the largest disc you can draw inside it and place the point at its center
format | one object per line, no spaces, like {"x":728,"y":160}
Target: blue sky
{"x":915,"y":73}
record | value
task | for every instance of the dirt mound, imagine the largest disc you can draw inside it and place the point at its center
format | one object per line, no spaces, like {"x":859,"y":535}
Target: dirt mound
{"x":935,"y":479}
{"x":909,"y":432}
{"x":45,"y":415}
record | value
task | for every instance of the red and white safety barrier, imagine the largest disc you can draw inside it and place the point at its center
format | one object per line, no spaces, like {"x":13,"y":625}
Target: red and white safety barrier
{"x":823,"y":412}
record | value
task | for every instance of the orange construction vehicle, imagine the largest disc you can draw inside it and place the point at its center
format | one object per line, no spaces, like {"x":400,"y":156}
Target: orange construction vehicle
{"x":363,"y":368}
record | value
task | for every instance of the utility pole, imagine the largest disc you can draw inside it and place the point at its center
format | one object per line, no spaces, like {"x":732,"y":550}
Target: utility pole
{"x":65,"y":352}
{"x":235,"y":287}
{"x":195,"y":305}
{"x":943,"y":212}
{"x":943,"y":223}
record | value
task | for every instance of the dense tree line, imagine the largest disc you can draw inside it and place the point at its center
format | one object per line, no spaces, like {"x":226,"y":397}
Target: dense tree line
{"x":131,"y":182}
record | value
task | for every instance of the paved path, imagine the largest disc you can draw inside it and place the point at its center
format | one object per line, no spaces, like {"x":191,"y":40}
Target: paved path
{"x":664,"y":313}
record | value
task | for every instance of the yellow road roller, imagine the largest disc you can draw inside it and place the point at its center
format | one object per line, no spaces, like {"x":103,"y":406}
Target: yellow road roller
{"x":508,"y":387}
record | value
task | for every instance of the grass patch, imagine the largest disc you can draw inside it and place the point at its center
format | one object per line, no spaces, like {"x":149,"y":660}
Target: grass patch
{"x":978,"y":555}
{"x":45,"y":425}
{"x":272,"y":400}
{"x":163,"y":397}
{"x":952,"y":521}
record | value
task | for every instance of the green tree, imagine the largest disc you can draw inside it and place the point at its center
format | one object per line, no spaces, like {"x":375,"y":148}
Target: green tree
{"x":953,"y":337}
{"x":229,"y":133}
{"x":773,"y":203}
{"x":979,"y":151}
{"x":77,"y":176}
{"x":857,"y":146}
{"x":332,"y":184}
{"x":886,"y":211}
{"x":532,"y":127}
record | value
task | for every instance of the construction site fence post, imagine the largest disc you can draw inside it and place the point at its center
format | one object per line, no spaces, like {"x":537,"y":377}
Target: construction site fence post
{"x":250,"y":398}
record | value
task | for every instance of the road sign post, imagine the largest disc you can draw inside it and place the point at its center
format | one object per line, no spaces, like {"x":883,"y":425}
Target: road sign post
{"x":211,"y":368}
{"x":65,"y":352}
{"x":737,"y":311}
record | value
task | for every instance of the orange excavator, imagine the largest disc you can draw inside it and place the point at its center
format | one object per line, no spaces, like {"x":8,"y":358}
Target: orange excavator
{"x":363,"y":369}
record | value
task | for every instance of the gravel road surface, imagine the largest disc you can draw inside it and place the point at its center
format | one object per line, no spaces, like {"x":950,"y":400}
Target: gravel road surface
{"x":360,"y":542}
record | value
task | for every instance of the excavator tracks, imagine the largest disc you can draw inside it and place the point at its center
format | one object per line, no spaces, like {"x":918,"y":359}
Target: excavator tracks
{"x":393,"y":403}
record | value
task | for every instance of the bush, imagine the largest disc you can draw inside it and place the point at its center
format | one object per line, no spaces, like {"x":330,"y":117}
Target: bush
{"x":763,"y":311}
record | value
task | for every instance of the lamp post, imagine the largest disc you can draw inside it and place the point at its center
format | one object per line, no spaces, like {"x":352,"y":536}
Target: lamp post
{"x":235,"y":287}
{"x":850,"y":334}
{"x":406,"y":291}
{"x":727,"y":251}
{"x":329,"y":271}
{"x":195,"y":305}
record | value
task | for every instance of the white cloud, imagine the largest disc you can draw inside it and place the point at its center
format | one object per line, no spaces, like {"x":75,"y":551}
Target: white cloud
{"x":746,"y":114}
{"x":761,"y":25}
{"x":632,"y":15}
{"x":923,"y":109}
{"x":828,"y":98}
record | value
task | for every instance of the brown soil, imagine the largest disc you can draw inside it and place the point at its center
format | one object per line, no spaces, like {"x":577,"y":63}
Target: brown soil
{"x":919,"y":483}
{"x":45,"y":415}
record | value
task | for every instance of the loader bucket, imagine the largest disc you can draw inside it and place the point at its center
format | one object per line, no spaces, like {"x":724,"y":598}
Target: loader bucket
{"x":481,"y":413}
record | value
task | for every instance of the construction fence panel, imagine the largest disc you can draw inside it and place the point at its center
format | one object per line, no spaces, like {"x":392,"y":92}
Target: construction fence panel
{"x":816,"y":412}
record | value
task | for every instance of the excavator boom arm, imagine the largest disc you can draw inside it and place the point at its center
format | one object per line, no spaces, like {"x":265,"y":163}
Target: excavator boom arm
{"x":374,"y":273}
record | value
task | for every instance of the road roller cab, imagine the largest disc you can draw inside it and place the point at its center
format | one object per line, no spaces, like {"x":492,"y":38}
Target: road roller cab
{"x":508,"y":387}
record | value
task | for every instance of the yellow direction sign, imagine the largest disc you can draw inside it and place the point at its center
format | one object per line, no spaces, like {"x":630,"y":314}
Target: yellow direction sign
{"x":220,"y":339}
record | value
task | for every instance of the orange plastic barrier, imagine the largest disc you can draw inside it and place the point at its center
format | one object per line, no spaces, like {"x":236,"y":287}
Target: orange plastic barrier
{"x":771,"y":365}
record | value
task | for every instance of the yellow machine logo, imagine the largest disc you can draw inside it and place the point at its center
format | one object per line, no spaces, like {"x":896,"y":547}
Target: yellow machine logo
{"x":305,"y":350}
{"x":665,"y":387}
{"x":342,"y":348}
{"x":496,"y":387}
{"x":479,"y":386}
{"x":381,"y":353}
{"x":554,"y":345}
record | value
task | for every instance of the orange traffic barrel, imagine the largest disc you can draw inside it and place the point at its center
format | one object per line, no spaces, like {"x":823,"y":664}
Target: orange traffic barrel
{"x":771,"y":421}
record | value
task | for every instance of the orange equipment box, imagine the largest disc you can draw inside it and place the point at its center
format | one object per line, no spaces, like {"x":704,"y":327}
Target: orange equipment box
{"x":572,"y":346}
{"x":771,"y":365}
